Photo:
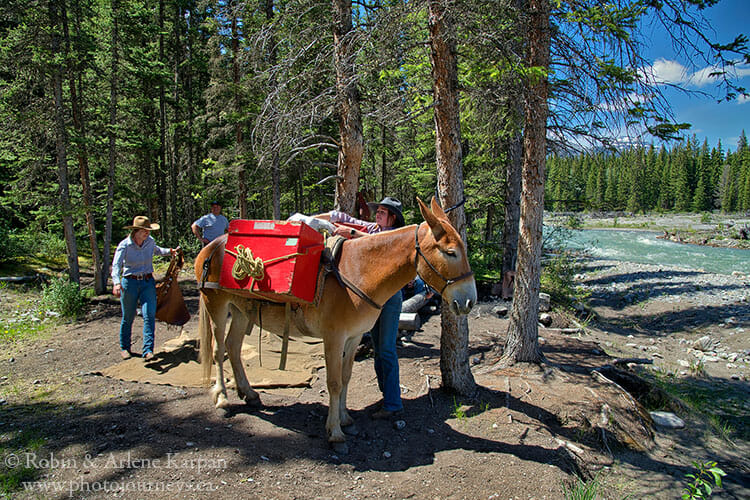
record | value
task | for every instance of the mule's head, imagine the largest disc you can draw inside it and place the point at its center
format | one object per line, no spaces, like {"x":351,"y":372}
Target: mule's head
{"x":443,"y":263}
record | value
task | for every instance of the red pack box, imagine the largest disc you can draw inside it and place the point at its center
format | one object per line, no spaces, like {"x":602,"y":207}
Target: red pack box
{"x":278,"y":260}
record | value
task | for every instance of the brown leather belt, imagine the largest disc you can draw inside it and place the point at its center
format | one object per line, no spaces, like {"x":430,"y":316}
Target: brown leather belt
{"x":139,"y":276}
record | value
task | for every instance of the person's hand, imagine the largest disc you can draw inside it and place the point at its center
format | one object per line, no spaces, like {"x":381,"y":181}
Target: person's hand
{"x":117,"y":290}
{"x":205,"y":241}
{"x":345,"y":231}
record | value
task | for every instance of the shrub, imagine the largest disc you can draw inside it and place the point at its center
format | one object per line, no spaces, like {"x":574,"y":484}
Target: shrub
{"x":10,"y":246}
{"x":50,"y":244}
{"x":703,"y":481}
{"x":557,"y":277}
{"x":190,"y":245}
{"x":64,"y":297}
{"x":15,"y":243}
{"x":574,"y":222}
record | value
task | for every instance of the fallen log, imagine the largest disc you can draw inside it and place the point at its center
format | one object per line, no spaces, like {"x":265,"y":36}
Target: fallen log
{"x":23,"y":279}
{"x":409,"y":321}
{"x":414,"y":304}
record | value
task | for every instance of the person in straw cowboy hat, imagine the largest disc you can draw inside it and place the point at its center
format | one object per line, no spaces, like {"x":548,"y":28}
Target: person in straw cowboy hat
{"x":133,"y":280}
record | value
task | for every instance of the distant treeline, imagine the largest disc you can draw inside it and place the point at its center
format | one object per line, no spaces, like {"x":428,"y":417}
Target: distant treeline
{"x":689,"y":177}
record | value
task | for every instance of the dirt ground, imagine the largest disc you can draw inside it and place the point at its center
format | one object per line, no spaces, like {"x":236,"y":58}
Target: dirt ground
{"x":527,"y":433}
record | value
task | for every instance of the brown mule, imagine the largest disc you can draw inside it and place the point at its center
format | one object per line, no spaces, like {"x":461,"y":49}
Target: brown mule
{"x":378,"y":265}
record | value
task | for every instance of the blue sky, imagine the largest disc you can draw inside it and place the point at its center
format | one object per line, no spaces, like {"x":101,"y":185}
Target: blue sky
{"x":710,"y":120}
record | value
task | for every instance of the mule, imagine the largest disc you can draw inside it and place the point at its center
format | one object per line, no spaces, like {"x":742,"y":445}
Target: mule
{"x":377,"y":266}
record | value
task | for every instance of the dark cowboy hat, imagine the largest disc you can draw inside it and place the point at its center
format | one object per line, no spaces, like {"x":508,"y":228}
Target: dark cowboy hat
{"x":215,"y":203}
{"x":391,"y":204}
{"x":143,"y":222}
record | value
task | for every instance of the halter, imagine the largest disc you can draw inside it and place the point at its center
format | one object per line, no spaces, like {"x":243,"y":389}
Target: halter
{"x":419,"y":253}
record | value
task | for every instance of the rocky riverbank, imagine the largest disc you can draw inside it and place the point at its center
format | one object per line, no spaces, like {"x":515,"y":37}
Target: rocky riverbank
{"x":681,"y":319}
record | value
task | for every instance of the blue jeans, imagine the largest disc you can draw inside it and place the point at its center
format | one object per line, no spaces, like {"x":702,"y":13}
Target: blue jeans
{"x":384,"y":335}
{"x":132,"y":291}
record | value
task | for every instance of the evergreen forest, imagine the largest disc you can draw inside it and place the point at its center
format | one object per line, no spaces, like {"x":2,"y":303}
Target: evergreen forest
{"x":688,"y":177}
{"x":114,"y":108}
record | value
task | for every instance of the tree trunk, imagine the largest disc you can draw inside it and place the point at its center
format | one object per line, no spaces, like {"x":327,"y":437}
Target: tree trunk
{"x":523,"y":333}
{"x":275,"y":166}
{"x":175,"y":163}
{"x":512,"y":204}
{"x":454,"y":337}
{"x":112,"y":136}
{"x":351,"y":148}
{"x":383,"y":167}
{"x":61,"y":145}
{"x":241,"y":174}
{"x":161,"y":178}
{"x":76,"y":98}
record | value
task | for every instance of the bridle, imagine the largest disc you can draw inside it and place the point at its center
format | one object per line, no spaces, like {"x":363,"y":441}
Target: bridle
{"x":434,"y":270}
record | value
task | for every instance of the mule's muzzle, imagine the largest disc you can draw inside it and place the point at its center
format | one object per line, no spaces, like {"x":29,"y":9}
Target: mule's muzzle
{"x":461,"y":309}
{"x":462,"y":298}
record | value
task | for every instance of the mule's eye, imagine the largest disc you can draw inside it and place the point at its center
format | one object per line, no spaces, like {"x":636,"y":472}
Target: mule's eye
{"x":451,"y":252}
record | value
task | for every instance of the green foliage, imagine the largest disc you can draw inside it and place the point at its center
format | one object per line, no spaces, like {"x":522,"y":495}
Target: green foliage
{"x":459,"y":413}
{"x":10,"y":247}
{"x":16,"y":243}
{"x":703,"y":481}
{"x":687,"y":177}
{"x":13,"y":331}
{"x":582,"y":490}
{"x":14,"y":473}
{"x":557,"y":277}
{"x":574,"y":222}
{"x":64,"y":297}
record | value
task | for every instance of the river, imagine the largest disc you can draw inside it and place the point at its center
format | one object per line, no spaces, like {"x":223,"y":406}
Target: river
{"x":644,"y":247}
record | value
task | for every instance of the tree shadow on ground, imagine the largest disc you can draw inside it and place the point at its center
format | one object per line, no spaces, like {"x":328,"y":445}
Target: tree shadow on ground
{"x":660,"y":324}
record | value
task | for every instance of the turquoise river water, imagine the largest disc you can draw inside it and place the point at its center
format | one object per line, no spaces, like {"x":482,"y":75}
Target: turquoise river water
{"x":644,"y":247}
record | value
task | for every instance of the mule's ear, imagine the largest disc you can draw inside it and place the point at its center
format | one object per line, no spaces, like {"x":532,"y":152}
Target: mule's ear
{"x":432,"y":221}
{"x":437,"y":209}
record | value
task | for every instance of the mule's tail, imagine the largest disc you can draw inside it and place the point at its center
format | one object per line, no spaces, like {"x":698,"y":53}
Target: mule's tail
{"x":206,"y":339}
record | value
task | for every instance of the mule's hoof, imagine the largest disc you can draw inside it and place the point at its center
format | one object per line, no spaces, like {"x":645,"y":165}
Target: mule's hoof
{"x":223,"y":412}
{"x":253,"y":402}
{"x":350,"y":430}
{"x":340,"y":448}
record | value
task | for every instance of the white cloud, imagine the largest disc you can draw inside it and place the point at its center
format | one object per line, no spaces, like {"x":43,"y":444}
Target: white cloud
{"x":703,"y":77}
{"x":672,"y":72}
{"x":664,"y":71}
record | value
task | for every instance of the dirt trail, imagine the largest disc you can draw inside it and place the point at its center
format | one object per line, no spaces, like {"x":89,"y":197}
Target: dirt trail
{"x":525,"y":434}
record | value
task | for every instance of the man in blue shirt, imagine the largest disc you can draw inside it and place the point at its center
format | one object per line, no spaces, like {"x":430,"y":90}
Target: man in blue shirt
{"x":213,"y":225}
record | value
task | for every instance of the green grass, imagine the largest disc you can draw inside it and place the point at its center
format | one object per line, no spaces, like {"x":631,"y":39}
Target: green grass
{"x":458,"y":412}
{"x":21,"y":317}
{"x":14,"y":332}
{"x":583,"y":490}
{"x":14,"y":471}
{"x":720,"y":404}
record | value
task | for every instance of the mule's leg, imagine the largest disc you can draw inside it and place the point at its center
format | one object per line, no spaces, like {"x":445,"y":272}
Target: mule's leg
{"x":350,"y":348}
{"x":218,"y":326}
{"x":334,"y":348}
{"x":237,"y":331}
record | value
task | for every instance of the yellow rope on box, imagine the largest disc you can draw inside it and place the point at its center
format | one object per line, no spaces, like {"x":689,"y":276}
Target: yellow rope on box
{"x":246,"y":264}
